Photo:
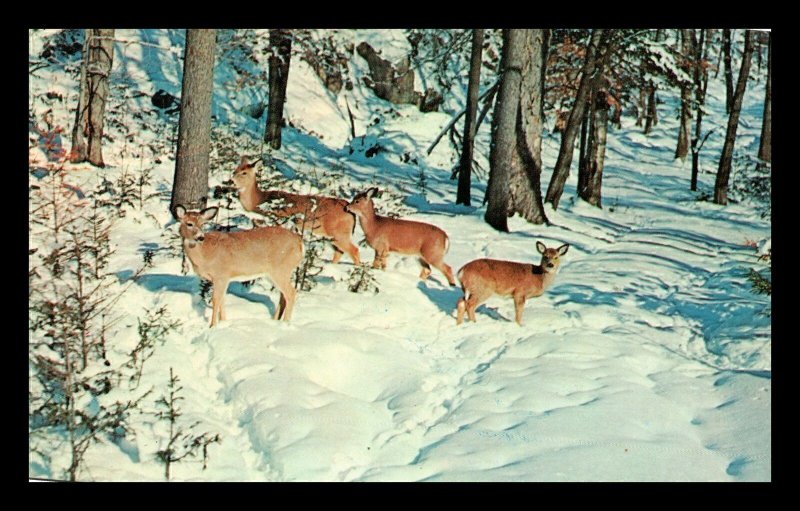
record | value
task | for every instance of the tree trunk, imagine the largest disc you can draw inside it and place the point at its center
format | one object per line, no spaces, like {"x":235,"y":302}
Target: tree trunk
{"x":190,"y":187}
{"x":561,"y":170}
{"x":726,"y":57}
{"x":652,"y":113}
{"x":526,"y":162}
{"x":765,"y":147}
{"x":700,"y":88}
{"x":465,"y":168}
{"x":504,"y":136}
{"x":593,"y":170}
{"x":585,"y":144}
{"x":721,"y":185}
{"x":87,"y":134}
{"x":515,"y":154}
{"x":689,"y":60}
{"x":280,"y":42}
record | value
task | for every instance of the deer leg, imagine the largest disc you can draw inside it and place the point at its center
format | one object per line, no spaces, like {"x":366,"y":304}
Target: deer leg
{"x":337,"y":254}
{"x":288,"y":295}
{"x":447,"y":271}
{"x":461,"y":307}
{"x":426,"y":269}
{"x":519,"y":303}
{"x":218,"y":301}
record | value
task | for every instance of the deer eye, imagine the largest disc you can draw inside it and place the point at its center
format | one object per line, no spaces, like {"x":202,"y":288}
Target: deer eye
{"x":189,"y":224}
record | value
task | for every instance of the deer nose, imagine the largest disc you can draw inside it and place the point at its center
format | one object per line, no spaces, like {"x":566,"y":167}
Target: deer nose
{"x":229,"y":182}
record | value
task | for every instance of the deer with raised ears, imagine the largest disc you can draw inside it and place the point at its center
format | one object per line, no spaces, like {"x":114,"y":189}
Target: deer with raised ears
{"x":240,"y":255}
{"x":407,"y":237}
{"x":483,"y":278}
{"x":323,"y":216}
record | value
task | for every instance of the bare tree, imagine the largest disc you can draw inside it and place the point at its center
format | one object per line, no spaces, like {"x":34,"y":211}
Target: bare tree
{"x":515,"y":153}
{"x":564,"y":161}
{"x":87,"y":134}
{"x":726,"y":58}
{"x":724,"y":171}
{"x":590,"y":173}
{"x":190,"y":186}
{"x":765,"y":147}
{"x":465,"y":167}
{"x":687,"y":53}
{"x":280,"y":42}
{"x":700,"y":76}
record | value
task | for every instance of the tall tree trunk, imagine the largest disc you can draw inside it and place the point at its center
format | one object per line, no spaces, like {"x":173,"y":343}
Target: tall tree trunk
{"x":700,"y":88}
{"x":585,"y":142}
{"x":526,"y":163}
{"x":87,"y":134}
{"x":515,"y":154}
{"x":190,"y":186}
{"x":726,"y":56}
{"x":685,"y":128}
{"x":765,"y":147}
{"x":504,"y":136}
{"x":561,"y":170}
{"x":724,"y":171}
{"x":652,"y":112}
{"x":593,"y":170}
{"x":280,"y":42}
{"x":465,"y":167}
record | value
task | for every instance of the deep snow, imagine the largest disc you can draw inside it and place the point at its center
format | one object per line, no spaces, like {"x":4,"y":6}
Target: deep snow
{"x":649,"y":359}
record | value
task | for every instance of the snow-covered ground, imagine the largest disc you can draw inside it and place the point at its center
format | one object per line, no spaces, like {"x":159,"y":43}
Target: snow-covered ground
{"x":649,"y":359}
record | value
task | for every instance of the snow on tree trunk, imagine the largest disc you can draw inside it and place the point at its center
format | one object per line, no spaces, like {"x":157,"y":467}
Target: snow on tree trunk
{"x":87,"y":134}
{"x":280,"y":42}
{"x":561,"y":170}
{"x":765,"y":147}
{"x":515,"y":154}
{"x":465,"y":167}
{"x":685,"y":128}
{"x":724,"y":171}
{"x":190,"y":186}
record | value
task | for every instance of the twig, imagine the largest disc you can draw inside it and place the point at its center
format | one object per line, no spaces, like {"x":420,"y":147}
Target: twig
{"x":450,"y":124}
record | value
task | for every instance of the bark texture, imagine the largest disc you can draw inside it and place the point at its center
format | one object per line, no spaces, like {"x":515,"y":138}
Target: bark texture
{"x":280,"y":42}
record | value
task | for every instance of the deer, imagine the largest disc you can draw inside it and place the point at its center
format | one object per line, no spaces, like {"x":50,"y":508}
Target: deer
{"x":482,"y":278}
{"x":220,"y":257}
{"x":323,"y":216}
{"x":384,"y":234}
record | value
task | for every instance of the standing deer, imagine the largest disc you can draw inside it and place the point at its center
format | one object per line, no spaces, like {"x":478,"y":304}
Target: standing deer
{"x":407,"y":237}
{"x":323,"y":216}
{"x":240,"y":255}
{"x":483,"y":278}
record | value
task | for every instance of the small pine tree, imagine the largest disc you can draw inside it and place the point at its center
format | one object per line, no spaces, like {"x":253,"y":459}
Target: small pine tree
{"x":182,"y":441}
{"x":362,"y":280}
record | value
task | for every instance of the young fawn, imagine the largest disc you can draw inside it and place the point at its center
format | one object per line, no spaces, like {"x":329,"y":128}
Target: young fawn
{"x":240,"y":255}
{"x":323,"y":216}
{"x":407,"y":237}
{"x":483,"y":278}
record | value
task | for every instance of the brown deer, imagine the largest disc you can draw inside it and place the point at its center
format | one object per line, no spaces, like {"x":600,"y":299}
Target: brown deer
{"x":483,"y":278}
{"x":407,"y":237}
{"x":323,"y":216}
{"x":240,"y":255}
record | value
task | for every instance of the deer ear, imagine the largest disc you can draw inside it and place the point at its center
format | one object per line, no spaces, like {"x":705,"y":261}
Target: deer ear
{"x":209,"y":213}
{"x":563,"y":249}
{"x":374,"y":192}
{"x":178,"y":212}
{"x":540,"y":247}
